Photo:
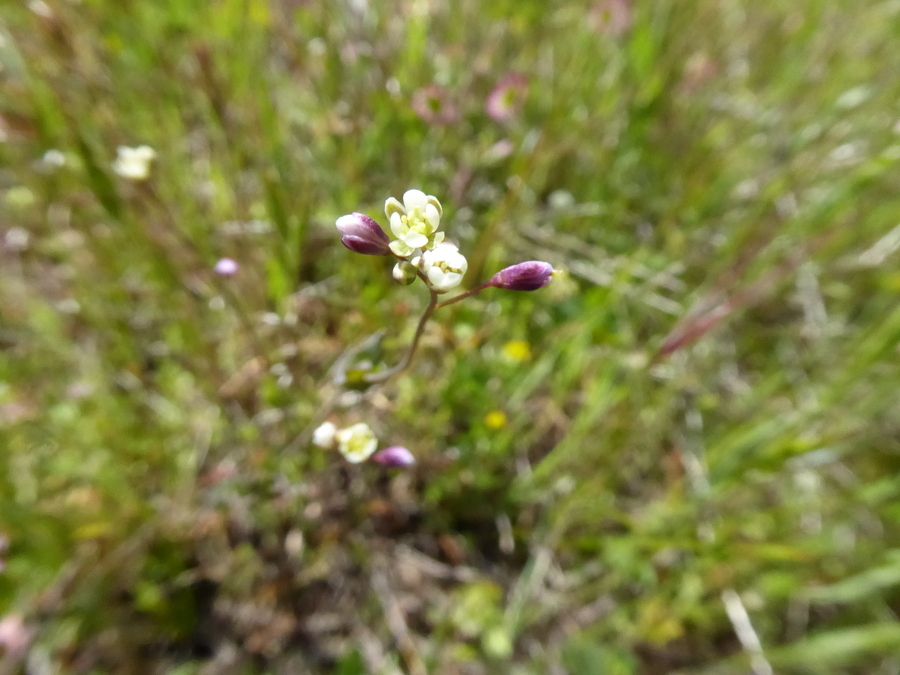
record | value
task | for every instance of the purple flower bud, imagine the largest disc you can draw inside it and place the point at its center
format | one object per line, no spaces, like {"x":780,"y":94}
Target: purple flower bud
{"x":395,"y":456}
{"x":526,"y":276}
{"x":226,"y":267}
{"x":363,"y":235}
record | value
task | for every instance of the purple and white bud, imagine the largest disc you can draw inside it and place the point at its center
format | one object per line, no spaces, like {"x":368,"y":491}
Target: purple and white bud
{"x":526,"y":276}
{"x":226,"y":267}
{"x":395,"y":456}
{"x":363,"y":235}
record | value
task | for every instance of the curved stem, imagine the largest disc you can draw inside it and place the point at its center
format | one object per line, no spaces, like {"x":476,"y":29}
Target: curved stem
{"x":467,"y":294}
{"x":375,"y":378}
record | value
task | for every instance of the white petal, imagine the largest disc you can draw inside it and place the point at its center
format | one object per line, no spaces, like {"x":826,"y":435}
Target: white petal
{"x":432,"y":217}
{"x":460,"y":263}
{"x":434,"y":201}
{"x":446,"y":249}
{"x":415,"y":239}
{"x":438,"y":238}
{"x":397,"y":226}
{"x":399,"y":248}
{"x":413,"y":199}
{"x":436,"y":276}
{"x":451,"y":280}
{"x":392,"y":206}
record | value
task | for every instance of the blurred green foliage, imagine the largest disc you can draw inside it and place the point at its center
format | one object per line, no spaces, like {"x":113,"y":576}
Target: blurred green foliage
{"x":705,"y":403}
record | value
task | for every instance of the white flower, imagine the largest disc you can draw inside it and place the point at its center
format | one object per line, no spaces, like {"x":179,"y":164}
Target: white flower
{"x":356,"y":443}
{"x":415,"y":222}
{"x":53,"y":158}
{"x":134,"y":163}
{"x":444,"y":266}
{"x":324,"y":435}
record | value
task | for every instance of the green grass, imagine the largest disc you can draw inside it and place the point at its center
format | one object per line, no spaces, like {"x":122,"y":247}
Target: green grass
{"x":707,"y":402}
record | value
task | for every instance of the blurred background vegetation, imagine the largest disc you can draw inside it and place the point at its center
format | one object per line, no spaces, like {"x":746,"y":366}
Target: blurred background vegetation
{"x":680,"y":457}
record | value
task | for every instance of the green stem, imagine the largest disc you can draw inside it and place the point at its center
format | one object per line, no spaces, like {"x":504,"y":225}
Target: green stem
{"x":375,"y":378}
{"x":467,"y":294}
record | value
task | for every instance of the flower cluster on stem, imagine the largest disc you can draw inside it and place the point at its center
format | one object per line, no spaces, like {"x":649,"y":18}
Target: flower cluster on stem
{"x":357,"y":443}
{"x":418,"y":244}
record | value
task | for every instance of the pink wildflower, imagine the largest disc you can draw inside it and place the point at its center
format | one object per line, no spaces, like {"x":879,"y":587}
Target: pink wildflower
{"x":433,"y":105}
{"x":507,"y":97}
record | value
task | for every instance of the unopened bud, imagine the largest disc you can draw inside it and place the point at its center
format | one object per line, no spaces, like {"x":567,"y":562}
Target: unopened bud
{"x":395,"y":456}
{"x":526,"y":276}
{"x":404,"y":273}
{"x":363,"y":235}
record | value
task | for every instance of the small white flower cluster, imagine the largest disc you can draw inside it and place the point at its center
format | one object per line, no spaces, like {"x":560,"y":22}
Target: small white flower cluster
{"x":444,"y":266}
{"x":356,"y":443}
{"x":415,"y":225}
{"x":417,"y":242}
{"x":414,"y":222}
{"x":134,"y":163}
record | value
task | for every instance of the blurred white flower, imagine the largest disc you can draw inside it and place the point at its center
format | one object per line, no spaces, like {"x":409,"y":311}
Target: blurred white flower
{"x":53,"y":158}
{"x":134,"y":163}
{"x":16,"y":239}
{"x":356,"y":443}
{"x":444,"y":266}
{"x":415,"y":222}
{"x":324,"y":435}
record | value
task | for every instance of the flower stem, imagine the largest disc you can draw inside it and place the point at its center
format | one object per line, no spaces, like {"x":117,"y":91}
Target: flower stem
{"x":467,"y":294}
{"x":375,"y":378}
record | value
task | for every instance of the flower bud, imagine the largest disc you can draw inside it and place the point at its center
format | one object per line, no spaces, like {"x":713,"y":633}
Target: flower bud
{"x":363,"y":235}
{"x":404,"y":273}
{"x":395,"y":456}
{"x":526,"y":276}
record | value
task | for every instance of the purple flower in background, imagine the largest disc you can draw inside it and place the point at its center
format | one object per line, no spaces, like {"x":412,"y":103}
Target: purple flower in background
{"x":395,"y":456}
{"x":363,"y":235}
{"x":612,"y":16}
{"x":433,"y":105}
{"x":15,"y":636}
{"x":507,"y":97}
{"x":526,"y":276}
{"x":226,"y":267}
